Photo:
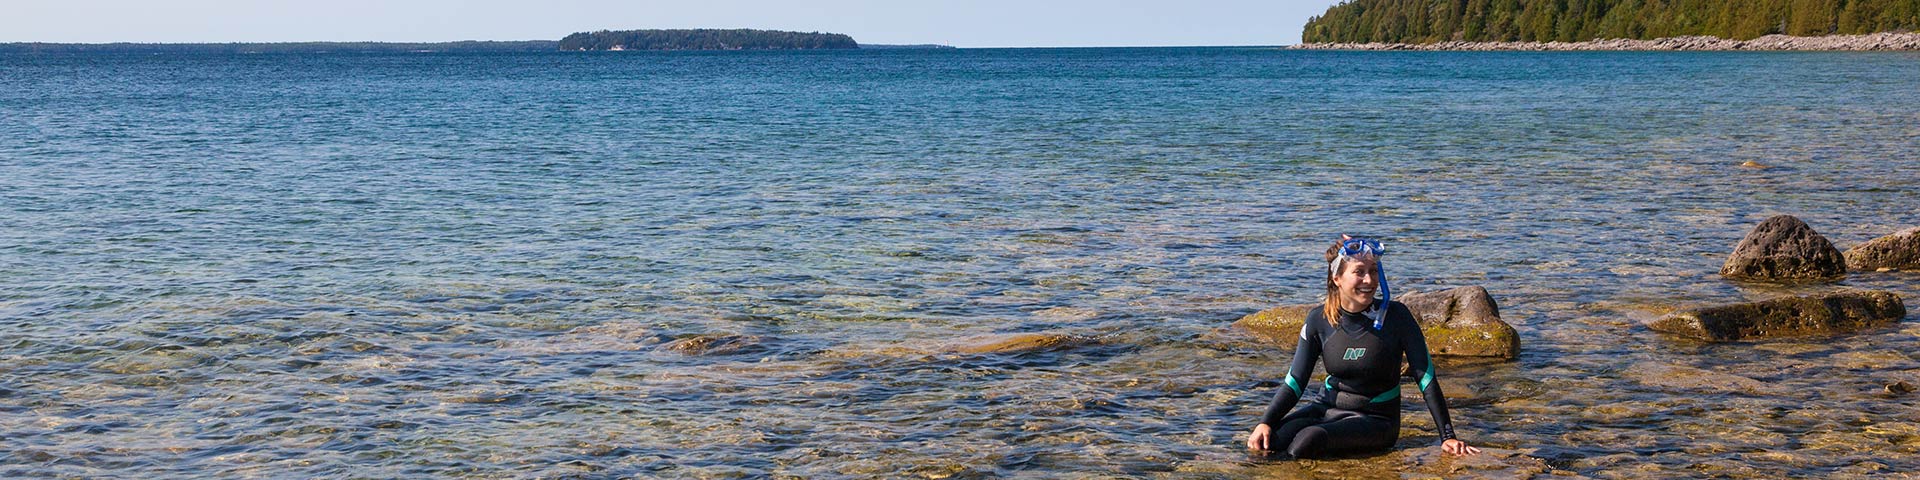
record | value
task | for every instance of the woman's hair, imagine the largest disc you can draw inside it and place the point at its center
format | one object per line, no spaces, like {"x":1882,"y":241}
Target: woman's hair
{"x":1332,"y":307}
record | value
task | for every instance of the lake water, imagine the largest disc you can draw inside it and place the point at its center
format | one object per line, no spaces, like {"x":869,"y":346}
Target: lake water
{"x":507,"y":265}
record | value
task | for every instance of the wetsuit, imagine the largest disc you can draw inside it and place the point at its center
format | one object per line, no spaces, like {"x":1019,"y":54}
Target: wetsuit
{"x":1359,"y":405}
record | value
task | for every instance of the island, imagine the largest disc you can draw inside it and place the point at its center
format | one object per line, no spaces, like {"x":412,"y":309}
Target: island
{"x":705,"y":39}
{"x":1616,"y":25}
{"x":916,"y":46}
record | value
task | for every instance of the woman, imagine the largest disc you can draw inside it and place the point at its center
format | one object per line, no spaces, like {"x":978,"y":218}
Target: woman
{"x":1363,"y":339}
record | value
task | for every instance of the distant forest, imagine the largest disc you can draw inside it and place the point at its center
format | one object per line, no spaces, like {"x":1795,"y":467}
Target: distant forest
{"x":289,"y":47}
{"x":1429,"y":21}
{"x":704,"y":39}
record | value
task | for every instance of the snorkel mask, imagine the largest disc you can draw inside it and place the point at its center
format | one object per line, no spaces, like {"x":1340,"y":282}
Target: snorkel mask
{"x":1355,"y":247}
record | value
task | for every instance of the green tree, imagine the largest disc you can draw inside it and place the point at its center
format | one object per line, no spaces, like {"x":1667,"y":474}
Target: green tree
{"x":1426,"y":21}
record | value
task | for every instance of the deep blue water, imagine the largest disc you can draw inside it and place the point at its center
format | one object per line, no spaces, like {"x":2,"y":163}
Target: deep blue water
{"x":477,"y":264}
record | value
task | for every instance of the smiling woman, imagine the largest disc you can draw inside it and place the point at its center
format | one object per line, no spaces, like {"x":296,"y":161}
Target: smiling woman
{"x":1358,"y":410}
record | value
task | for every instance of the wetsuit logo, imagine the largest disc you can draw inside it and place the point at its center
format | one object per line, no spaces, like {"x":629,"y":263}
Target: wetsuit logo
{"x":1354,"y":354}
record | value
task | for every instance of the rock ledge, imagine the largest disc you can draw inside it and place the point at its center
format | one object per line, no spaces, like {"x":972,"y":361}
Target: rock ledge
{"x":1836,"y":312}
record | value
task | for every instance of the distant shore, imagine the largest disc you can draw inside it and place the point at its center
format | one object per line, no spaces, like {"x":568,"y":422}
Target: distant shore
{"x":1887,"y":41}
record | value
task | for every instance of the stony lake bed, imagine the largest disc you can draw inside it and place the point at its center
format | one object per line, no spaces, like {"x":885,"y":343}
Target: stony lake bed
{"x":920,"y":264}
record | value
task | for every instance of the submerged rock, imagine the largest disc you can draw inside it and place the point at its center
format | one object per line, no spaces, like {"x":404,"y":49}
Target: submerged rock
{"x":1406,"y":461}
{"x":1899,"y":388}
{"x":1836,"y":312}
{"x":1689,"y":379}
{"x":1460,"y":322}
{"x":1067,"y":314}
{"x":1899,"y":251}
{"x":1784,"y":249}
{"x":1019,"y":342}
{"x":712,"y":344}
{"x":1490,"y":463}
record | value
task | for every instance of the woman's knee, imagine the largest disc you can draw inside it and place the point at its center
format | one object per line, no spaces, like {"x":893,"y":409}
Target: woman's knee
{"x":1307,"y":442}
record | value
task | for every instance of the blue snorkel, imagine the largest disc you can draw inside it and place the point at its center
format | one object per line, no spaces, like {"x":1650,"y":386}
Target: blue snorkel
{"x":1351,"y":247}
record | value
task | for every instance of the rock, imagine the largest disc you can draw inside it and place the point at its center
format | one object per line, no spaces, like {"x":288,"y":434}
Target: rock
{"x":1460,"y":322}
{"x":859,"y":350}
{"x":1836,"y":312}
{"x":1019,"y":342}
{"x":1278,"y":324}
{"x":1899,"y":388}
{"x":1490,"y":463}
{"x":1689,"y":379}
{"x":712,"y":344}
{"x":1784,"y":249}
{"x":1900,"y":251}
{"x":1463,"y":322}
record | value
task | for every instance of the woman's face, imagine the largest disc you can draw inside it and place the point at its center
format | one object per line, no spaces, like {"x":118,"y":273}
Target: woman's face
{"x":1355,"y":283}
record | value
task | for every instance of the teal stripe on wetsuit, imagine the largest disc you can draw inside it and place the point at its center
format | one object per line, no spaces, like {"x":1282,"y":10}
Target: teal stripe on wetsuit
{"x":1388,"y":395}
{"x":1428,"y":378}
{"x":1425,"y":380}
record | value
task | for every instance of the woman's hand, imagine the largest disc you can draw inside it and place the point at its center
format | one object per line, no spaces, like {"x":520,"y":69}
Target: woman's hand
{"x":1258,"y":439}
{"x":1452,"y":446}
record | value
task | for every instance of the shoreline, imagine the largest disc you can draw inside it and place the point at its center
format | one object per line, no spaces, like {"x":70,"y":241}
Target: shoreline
{"x":1885,"y":41}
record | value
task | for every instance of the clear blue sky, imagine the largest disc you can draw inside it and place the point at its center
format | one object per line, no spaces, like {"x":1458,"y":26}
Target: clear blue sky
{"x":977,"y":23}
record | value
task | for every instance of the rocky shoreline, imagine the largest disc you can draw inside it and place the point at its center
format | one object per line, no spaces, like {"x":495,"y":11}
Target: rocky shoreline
{"x":1886,"y":41}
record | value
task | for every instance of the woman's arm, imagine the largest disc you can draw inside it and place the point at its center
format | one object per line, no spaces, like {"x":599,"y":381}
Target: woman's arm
{"x":1420,"y":362}
{"x":1297,"y":375}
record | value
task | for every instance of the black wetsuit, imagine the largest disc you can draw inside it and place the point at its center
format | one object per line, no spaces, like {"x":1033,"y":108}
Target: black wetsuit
{"x":1359,"y":406}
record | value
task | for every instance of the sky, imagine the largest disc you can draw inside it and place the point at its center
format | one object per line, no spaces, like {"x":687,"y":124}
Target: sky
{"x":977,"y":23}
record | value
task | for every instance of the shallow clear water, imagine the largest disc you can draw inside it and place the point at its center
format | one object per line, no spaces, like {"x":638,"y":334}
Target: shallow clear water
{"x":489,"y":265}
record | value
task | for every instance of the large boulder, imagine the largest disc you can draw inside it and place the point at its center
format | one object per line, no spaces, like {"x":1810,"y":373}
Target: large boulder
{"x":1836,"y":312}
{"x":1900,"y":251}
{"x":1784,"y":249}
{"x":1460,"y":322}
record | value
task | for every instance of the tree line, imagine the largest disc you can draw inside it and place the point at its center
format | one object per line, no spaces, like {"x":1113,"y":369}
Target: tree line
{"x":1429,"y":21}
{"x":704,"y":39}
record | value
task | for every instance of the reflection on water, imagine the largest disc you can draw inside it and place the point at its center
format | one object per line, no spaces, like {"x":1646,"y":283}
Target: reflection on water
{"x":798,"y":264}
